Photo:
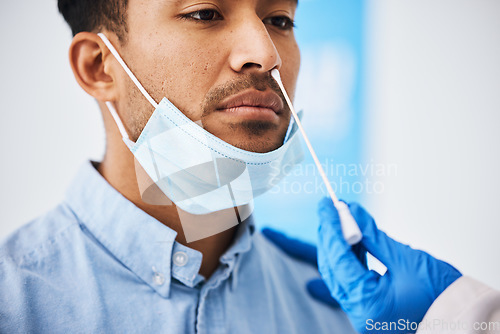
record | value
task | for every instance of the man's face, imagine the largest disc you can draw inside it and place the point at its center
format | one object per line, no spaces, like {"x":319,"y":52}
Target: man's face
{"x":212,"y":60}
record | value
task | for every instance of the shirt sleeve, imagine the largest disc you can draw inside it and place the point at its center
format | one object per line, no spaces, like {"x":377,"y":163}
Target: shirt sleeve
{"x":467,"y":306}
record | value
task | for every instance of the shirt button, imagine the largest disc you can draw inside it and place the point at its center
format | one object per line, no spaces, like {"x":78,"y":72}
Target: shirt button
{"x":180,"y":259}
{"x":158,"y":278}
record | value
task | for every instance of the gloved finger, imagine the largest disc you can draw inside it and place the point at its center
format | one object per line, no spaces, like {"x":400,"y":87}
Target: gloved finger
{"x":337,"y":263}
{"x":360,"y":251}
{"x":293,"y":247}
{"x":384,"y":248}
{"x":348,"y":281}
{"x":318,"y":289}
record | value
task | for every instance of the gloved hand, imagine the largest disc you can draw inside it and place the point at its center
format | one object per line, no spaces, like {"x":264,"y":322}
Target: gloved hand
{"x":413,"y":280}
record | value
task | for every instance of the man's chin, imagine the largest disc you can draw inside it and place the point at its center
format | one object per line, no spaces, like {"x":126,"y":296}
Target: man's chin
{"x":253,"y":136}
{"x":257,"y":146}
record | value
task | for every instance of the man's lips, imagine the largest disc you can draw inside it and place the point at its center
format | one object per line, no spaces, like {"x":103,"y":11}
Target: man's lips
{"x":253,"y":104}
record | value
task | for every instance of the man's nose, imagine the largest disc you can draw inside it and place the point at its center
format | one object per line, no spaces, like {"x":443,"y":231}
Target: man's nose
{"x":252,"y":48}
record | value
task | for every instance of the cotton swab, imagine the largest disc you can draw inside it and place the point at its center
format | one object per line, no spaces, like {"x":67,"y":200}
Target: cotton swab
{"x":350,"y":228}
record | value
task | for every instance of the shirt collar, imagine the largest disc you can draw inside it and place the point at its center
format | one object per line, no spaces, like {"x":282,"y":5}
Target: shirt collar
{"x":139,"y":241}
{"x":242,"y":244}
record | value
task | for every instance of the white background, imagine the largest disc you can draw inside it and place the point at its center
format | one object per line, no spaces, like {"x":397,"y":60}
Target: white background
{"x":434,"y":111}
{"x":433,"y":107}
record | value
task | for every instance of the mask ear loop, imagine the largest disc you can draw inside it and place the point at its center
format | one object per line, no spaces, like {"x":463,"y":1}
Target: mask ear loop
{"x":112,"y":109}
{"x":127,"y":70}
{"x":132,"y":77}
{"x":119,"y":123}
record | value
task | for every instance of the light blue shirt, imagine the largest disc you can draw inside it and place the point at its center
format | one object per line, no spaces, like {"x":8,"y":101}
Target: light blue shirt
{"x":98,"y":264}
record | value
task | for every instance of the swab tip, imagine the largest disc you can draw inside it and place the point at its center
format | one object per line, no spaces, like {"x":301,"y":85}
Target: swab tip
{"x":276,"y":74}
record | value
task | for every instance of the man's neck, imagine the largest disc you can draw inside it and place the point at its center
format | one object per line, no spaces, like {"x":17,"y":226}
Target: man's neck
{"x":119,"y":170}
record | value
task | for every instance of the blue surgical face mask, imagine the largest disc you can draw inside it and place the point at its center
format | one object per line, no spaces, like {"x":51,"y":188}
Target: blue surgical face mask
{"x":194,"y":169}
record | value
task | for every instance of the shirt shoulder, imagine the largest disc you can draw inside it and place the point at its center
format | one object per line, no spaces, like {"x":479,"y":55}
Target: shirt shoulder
{"x":282,"y":262}
{"x":36,"y":265}
{"x":34,"y":240}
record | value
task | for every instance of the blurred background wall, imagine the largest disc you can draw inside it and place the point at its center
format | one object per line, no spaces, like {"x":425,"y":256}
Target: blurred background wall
{"x":433,"y":109}
{"x":401,"y":100}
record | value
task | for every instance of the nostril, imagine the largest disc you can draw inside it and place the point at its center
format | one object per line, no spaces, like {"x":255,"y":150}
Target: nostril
{"x":251,"y":65}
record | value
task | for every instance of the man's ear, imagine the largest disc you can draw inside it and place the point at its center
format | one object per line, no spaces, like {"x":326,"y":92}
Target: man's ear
{"x":87,"y":56}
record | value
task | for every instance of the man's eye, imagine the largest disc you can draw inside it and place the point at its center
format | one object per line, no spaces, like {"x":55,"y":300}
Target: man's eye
{"x":281,"y":22}
{"x":204,"y":15}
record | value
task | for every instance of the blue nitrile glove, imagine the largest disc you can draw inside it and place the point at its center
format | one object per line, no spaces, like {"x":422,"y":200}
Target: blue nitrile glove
{"x":413,"y":280}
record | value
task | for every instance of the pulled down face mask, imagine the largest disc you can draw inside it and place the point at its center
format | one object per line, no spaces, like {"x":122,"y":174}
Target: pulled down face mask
{"x":194,"y":169}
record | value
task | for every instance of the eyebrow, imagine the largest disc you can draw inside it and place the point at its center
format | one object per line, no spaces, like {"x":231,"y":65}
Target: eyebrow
{"x":296,"y":2}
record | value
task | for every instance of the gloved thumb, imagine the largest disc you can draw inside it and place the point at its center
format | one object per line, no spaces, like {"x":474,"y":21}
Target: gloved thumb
{"x":329,"y":217}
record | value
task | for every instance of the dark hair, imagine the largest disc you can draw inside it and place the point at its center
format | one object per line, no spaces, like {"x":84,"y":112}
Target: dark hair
{"x":94,"y":15}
